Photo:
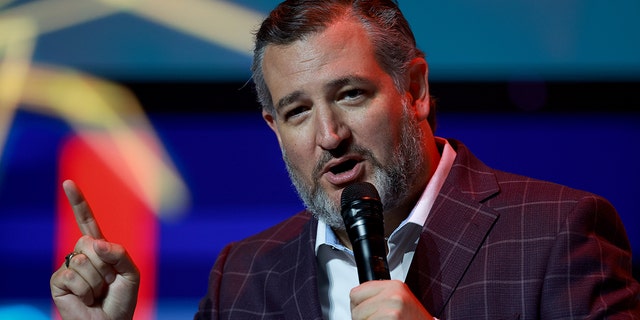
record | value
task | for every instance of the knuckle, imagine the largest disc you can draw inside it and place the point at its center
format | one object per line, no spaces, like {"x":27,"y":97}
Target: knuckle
{"x":83,"y":242}
{"x":79,"y":260}
{"x":68,"y":276}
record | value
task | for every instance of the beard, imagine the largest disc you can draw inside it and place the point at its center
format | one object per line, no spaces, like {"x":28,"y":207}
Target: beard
{"x":393,"y":180}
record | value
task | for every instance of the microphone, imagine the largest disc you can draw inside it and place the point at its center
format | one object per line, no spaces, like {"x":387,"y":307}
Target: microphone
{"x":361,"y":211}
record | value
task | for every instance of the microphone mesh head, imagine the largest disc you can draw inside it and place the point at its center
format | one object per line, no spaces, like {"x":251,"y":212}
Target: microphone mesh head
{"x":356,"y":191}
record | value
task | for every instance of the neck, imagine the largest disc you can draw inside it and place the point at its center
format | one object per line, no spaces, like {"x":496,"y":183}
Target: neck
{"x":394,"y":216}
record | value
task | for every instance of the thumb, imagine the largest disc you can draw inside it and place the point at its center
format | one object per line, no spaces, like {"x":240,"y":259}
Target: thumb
{"x":118,"y":258}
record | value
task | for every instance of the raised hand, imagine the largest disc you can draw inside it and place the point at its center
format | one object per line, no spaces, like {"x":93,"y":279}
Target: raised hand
{"x":98,"y":281}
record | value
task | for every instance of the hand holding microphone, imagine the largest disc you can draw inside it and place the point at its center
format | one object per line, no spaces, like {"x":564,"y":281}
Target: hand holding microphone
{"x":361,"y":211}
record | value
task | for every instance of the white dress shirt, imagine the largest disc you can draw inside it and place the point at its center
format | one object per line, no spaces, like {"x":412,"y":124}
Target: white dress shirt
{"x":337,"y":271}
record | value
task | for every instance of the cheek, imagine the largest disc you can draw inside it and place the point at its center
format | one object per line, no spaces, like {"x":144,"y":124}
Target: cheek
{"x":383,"y":135}
{"x":298,"y":150}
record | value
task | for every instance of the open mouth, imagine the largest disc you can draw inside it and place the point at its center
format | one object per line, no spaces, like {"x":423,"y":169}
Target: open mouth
{"x":343,"y":167}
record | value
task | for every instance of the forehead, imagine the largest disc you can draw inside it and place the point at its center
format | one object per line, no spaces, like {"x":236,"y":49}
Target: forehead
{"x":343,"y":49}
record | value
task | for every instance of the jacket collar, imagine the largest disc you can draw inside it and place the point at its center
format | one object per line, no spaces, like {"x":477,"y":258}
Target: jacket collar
{"x":454,"y":231}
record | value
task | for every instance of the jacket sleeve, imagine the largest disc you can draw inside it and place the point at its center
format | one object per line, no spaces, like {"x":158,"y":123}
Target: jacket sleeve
{"x":589,"y":272}
{"x":210,"y":305}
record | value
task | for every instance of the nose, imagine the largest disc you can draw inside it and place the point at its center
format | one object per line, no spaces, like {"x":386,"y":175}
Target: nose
{"x":331,"y":129}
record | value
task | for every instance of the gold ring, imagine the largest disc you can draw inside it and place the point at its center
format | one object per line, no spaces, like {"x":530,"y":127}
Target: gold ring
{"x":67,"y":258}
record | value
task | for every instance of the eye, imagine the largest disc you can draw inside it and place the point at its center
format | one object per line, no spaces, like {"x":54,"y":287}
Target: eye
{"x":294,"y":112}
{"x":352,"y":96}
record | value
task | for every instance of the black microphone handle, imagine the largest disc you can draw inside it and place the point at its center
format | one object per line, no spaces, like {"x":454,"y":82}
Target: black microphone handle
{"x":369,"y":248}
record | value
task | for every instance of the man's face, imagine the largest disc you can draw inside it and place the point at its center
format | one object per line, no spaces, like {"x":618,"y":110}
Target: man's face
{"x":340,"y":119}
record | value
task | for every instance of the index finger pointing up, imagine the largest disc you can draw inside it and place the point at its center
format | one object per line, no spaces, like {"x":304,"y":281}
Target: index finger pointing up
{"x":81,"y":210}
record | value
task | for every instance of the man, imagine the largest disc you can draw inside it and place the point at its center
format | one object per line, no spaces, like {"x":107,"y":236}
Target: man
{"x":345,"y":90}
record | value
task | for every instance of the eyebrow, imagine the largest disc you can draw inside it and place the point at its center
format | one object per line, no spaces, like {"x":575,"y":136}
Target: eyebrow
{"x":337,"y":83}
{"x":288,"y":99}
{"x":341,"y":82}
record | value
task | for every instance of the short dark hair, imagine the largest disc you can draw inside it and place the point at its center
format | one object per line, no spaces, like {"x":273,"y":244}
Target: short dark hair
{"x":293,"y":20}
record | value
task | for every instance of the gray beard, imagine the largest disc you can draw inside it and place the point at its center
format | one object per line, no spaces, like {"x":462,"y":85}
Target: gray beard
{"x":393,"y":181}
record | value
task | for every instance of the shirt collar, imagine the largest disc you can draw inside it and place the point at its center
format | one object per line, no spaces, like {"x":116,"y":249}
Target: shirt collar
{"x":419,"y":213}
{"x":326,"y":236}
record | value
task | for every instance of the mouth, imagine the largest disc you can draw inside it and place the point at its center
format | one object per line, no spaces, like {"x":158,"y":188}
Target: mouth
{"x":344,"y":171}
{"x":343,"y":166}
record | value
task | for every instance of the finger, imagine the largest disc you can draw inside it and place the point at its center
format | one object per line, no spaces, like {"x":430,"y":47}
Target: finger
{"x":67,"y":281}
{"x":116,"y":256}
{"x":81,"y":210}
{"x":88,"y":264}
{"x":366,"y":291}
{"x":388,"y":299}
{"x":362,"y":299}
{"x":88,"y":272}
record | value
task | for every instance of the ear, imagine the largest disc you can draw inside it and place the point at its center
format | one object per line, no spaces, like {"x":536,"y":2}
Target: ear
{"x":419,"y":87}
{"x":271,"y":122}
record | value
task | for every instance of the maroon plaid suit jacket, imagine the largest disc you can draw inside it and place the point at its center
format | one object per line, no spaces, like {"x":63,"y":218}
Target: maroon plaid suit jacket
{"x":495,"y":246}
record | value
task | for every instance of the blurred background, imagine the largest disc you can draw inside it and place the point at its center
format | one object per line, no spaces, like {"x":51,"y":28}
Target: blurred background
{"x":149,"y":107}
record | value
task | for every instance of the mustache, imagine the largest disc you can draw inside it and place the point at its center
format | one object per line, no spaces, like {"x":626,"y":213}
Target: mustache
{"x":328,"y":155}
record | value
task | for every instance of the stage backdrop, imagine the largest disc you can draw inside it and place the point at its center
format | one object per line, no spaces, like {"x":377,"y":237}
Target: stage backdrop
{"x":148,"y":105}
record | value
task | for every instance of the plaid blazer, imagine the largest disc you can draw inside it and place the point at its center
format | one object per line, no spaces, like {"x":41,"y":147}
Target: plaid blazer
{"x":495,"y":246}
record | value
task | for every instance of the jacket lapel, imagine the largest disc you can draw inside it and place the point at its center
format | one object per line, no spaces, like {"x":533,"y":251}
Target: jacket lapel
{"x":454,"y":232}
{"x":298,"y":274}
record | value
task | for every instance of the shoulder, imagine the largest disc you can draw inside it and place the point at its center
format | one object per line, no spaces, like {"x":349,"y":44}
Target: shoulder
{"x":283,"y":231}
{"x":486,"y":184}
{"x":273,"y":242}
{"x":250,"y":276}
{"x":530,"y":194}
{"x":524,"y":198}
